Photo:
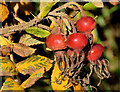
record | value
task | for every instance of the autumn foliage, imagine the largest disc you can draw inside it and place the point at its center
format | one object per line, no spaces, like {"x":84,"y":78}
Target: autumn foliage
{"x":68,"y":52}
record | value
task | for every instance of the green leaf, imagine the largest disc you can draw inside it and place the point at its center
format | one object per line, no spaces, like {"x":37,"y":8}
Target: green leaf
{"x":29,"y":40}
{"x":34,"y":63}
{"x":45,"y":7}
{"x":89,"y":89}
{"x":38,"y":32}
{"x":7,"y":67}
{"x":11,"y":85}
{"x":89,"y":6}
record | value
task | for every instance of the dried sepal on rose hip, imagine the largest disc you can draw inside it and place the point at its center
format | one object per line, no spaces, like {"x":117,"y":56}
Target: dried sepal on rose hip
{"x":95,"y":52}
{"x":70,"y":52}
{"x":77,"y":41}
{"x":85,"y":24}
{"x":56,"y":42}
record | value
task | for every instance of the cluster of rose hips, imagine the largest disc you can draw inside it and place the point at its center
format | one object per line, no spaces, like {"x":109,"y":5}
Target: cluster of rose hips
{"x":77,"y":41}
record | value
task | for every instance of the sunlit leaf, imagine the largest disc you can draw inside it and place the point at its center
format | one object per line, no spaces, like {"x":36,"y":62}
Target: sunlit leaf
{"x":52,"y":25}
{"x":3,"y":41}
{"x":29,"y":40}
{"x":33,"y":78}
{"x":48,"y":49}
{"x":23,"y":50}
{"x":16,"y":7}
{"x":95,"y":35}
{"x":55,"y":74}
{"x":114,"y":2}
{"x":67,"y":23}
{"x":33,"y":63}
{"x":45,"y":7}
{"x":7,"y":67}
{"x":77,"y":87}
{"x":38,"y":32}
{"x":89,"y":6}
{"x":3,"y":11}
{"x":11,"y":85}
{"x":99,"y":4}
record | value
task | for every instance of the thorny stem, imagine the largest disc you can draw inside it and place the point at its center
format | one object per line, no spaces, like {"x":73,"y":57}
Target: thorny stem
{"x":43,"y":26}
{"x":22,"y":26}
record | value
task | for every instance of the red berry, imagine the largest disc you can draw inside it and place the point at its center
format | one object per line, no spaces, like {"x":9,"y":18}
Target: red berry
{"x":77,"y":41}
{"x":94,"y":54}
{"x":56,"y":42}
{"x":102,"y":48}
{"x":85,"y":24}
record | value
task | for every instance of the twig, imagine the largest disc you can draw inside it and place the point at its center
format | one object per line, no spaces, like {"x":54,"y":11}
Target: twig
{"x":18,"y":19}
{"x":22,"y":26}
{"x":67,"y":5}
{"x":43,"y":26}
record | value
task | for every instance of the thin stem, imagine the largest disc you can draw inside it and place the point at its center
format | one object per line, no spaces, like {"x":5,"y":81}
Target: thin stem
{"x":68,"y":4}
{"x":43,"y":26}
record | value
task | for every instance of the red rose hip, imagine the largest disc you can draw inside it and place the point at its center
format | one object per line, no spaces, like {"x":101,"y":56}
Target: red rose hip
{"x":102,"y":48}
{"x":56,"y":42}
{"x":77,"y":41}
{"x":85,"y":24}
{"x":95,"y":53}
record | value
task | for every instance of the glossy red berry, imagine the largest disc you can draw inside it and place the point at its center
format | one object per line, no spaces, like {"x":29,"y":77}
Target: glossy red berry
{"x":95,"y":53}
{"x":85,"y":24}
{"x":56,"y":42}
{"x":102,"y":48}
{"x":77,"y":41}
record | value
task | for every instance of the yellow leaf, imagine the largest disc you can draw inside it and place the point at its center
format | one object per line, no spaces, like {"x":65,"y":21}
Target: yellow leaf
{"x":7,"y":67}
{"x":16,"y":7}
{"x":114,"y":2}
{"x":29,"y":40}
{"x":45,"y":7}
{"x":94,"y":36}
{"x":49,"y":49}
{"x":3,"y":11}
{"x":10,"y":84}
{"x":33,"y":78}
{"x":30,"y":65}
{"x":98,"y":4}
{"x":64,"y":84}
{"x":77,"y":87}
{"x":52,"y":25}
{"x":23,"y":50}
{"x":4,"y":41}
